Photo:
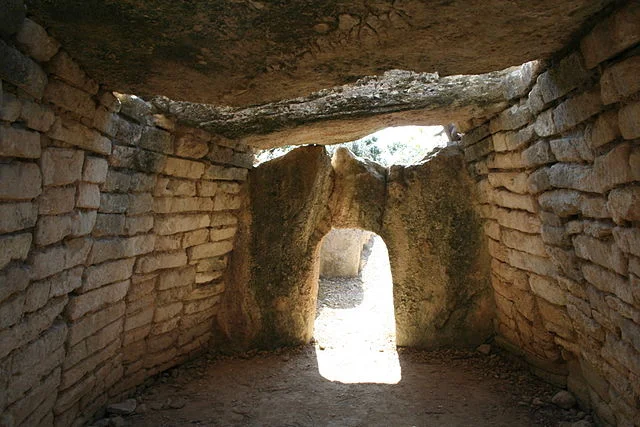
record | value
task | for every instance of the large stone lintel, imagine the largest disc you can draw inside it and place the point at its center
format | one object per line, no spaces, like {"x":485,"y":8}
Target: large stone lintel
{"x":348,"y":112}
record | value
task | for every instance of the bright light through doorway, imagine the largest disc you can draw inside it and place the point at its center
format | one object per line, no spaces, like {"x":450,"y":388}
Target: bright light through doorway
{"x":358,"y":344}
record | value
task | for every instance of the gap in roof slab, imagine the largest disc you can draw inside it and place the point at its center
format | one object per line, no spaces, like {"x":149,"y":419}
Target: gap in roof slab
{"x":399,"y":145}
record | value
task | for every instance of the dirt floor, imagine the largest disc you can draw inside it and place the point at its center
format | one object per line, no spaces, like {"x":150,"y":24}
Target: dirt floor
{"x":351,"y":375}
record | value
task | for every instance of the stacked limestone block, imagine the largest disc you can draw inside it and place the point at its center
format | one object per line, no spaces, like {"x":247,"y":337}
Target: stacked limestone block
{"x":559,"y":176}
{"x":115,"y":230}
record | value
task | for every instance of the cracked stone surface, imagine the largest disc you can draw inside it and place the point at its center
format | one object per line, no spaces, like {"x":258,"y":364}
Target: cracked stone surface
{"x":423,"y":212}
{"x":247,"y":52}
{"x":349,"y":112}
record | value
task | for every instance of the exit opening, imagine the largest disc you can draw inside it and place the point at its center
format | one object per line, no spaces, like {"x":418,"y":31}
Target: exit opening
{"x":355,"y":331}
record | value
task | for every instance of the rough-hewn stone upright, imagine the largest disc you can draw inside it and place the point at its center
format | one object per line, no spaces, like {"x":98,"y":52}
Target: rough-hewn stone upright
{"x":440,"y":272}
{"x":272,"y":301}
{"x":425,"y":215}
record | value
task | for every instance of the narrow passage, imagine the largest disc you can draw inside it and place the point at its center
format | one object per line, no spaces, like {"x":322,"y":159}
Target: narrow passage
{"x":352,"y":376}
{"x":355,"y":325}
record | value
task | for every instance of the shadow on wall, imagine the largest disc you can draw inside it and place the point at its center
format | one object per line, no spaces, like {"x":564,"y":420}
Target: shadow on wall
{"x":423,"y":212}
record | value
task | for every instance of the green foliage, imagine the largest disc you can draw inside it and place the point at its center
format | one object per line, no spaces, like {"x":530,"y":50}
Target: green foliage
{"x":404,"y":148}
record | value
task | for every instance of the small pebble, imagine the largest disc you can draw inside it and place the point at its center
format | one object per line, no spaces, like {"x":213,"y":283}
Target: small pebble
{"x":176,"y":403}
{"x":125,"y":407}
{"x":564,"y":399}
{"x":537,"y":402}
{"x":484,"y":349}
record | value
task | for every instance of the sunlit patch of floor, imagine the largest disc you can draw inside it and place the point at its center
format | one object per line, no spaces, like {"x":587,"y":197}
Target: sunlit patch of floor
{"x":358,"y":344}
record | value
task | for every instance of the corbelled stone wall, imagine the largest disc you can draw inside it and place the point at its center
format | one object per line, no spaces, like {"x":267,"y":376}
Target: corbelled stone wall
{"x":116,"y":227}
{"x":115,"y":230}
{"x":558,"y":174}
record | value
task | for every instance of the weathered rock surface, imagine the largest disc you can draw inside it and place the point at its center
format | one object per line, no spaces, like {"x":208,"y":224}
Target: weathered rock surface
{"x":351,"y":111}
{"x":248,"y":52}
{"x":424,"y":214}
{"x":441,"y":290}
{"x":359,"y":192}
{"x":341,"y":252}
{"x":275,"y":269}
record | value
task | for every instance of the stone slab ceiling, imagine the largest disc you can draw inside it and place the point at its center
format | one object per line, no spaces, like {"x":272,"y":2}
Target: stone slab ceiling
{"x":245,"y":52}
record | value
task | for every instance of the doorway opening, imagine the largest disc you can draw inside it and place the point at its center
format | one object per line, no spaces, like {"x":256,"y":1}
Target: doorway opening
{"x":354,"y":330}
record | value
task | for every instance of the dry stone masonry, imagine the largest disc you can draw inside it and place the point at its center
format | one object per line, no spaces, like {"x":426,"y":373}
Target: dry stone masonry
{"x":558,"y":176}
{"x":134,"y":235}
{"x":116,"y":228}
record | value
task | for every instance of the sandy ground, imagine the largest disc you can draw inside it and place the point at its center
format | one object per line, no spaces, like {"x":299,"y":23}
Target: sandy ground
{"x":351,"y":375}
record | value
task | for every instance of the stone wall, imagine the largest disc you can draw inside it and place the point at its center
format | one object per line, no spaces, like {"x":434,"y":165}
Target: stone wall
{"x":558,"y":174}
{"x":115,"y":230}
{"x":425,"y":215}
{"x":341,"y":252}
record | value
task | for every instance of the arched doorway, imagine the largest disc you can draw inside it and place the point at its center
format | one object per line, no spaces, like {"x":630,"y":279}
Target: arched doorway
{"x":354,"y":329}
{"x":425,"y":214}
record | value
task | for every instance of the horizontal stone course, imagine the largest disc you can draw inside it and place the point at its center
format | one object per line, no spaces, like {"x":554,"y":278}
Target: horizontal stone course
{"x":628,"y":120}
{"x":602,"y":253}
{"x":176,"y":278}
{"x":30,"y":326}
{"x":514,"y":117}
{"x":37,"y":116}
{"x":477,"y":151}
{"x":34,"y":40}
{"x":517,"y":220}
{"x":512,"y":141}
{"x":216,"y":172}
{"x":191,"y":145}
{"x":577,"y":109}
{"x":530,"y":243}
{"x":61,"y":166}
{"x":65,"y":68}
{"x":620,"y":80}
{"x":154,"y":139}
{"x":624,"y":203}
{"x":182,"y":204}
{"x":20,"y":181}
{"x":538,"y":154}
{"x":77,"y":134}
{"x":21,"y":71}
{"x":603,"y":130}
{"x":90,"y":301}
{"x":69,"y":98}
{"x":108,"y":272}
{"x":57,"y":200}
{"x":121,"y":247}
{"x":565,"y":76}
{"x":571,"y":149}
{"x":162,"y":260}
{"x":209,"y":250}
{"x":172,"y":224}
{"x":54,"y":259}
{"x":183,"y":168}
{"x":14,"y":247}
{"x":611,"y":36}
{"x":15,"y":142}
